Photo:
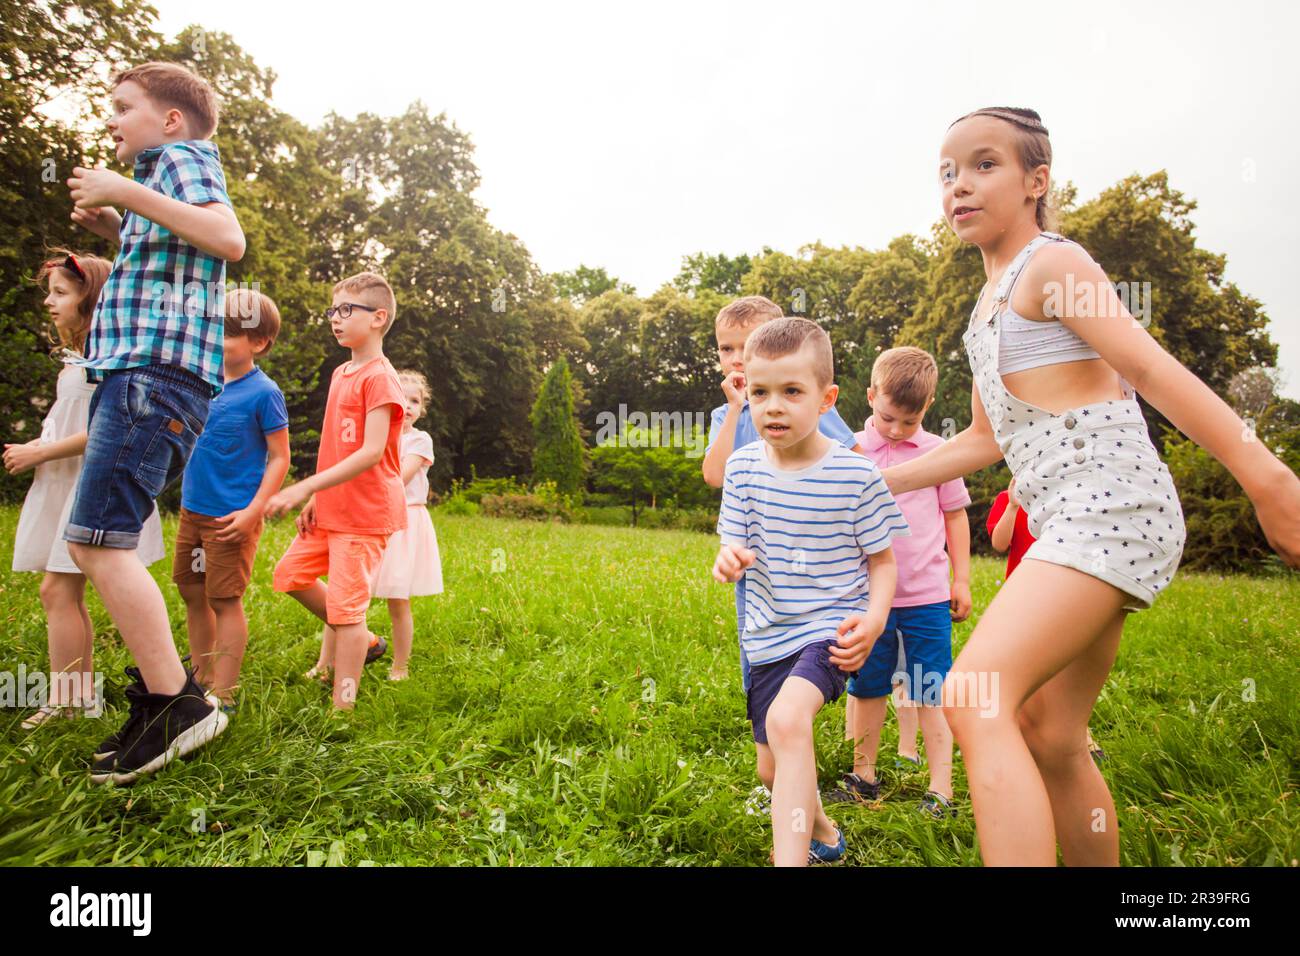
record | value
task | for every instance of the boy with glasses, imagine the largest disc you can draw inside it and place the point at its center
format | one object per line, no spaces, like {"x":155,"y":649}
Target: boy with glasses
{"x":356,"y":498}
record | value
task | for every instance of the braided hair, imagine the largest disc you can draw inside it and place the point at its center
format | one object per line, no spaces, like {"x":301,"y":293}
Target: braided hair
{"x":1035,"y":147}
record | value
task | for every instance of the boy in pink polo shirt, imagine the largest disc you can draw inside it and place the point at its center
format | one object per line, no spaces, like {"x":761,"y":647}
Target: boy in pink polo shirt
{"x":925,"y":605}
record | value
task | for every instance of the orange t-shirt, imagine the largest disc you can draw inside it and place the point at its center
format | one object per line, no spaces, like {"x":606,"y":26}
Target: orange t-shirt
{"x":372,"y":502}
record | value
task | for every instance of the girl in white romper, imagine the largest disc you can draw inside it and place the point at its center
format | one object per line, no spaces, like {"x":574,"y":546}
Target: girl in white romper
{"x":411,"y":566}
{"x":1052,"y":399}
{"x":73,"y":283}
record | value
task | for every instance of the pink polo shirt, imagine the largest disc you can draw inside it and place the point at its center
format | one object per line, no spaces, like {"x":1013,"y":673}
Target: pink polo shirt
{"x":922,"y":558}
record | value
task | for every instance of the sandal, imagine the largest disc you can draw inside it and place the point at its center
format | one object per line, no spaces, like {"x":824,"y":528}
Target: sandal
{"x":318,"y":673}
{"x":47,"y":712}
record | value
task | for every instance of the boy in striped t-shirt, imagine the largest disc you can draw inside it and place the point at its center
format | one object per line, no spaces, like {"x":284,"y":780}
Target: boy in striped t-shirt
{"x":808,"y":525}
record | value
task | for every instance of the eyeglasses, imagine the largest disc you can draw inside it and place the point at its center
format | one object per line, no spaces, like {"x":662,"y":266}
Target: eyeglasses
{"x":345,"y":310}
{"x":71,"y":264}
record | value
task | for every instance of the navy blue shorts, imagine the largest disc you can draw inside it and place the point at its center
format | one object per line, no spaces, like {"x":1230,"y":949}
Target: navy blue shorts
{"x":144,"y":423}
{"x":811,"y":662}
{"x":926,"y":632}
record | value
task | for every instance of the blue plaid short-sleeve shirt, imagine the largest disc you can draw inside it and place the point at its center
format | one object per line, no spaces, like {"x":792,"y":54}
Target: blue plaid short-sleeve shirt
{"x":164,"y":301}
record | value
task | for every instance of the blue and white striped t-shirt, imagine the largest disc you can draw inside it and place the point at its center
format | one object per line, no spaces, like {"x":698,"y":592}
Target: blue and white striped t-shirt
{"x":810,"y":531}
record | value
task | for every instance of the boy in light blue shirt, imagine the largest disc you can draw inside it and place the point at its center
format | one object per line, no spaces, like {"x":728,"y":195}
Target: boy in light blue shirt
{"x":239,"y":462}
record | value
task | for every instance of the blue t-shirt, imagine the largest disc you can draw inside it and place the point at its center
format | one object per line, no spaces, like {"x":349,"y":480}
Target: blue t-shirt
{"x":229,"y":459}
{"x":810,"y":531}
{"x":830,"y":425}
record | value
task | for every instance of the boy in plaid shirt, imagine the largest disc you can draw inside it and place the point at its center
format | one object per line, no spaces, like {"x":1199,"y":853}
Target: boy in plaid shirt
{"x":155,"y":350}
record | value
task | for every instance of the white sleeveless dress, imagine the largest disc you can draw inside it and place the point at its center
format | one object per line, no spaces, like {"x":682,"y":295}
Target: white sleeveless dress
{"x":38,"y":542}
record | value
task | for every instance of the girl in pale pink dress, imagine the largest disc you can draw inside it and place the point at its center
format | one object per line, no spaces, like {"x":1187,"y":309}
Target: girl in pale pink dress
{"x":411,"y":566}
{"x":73,"y":283}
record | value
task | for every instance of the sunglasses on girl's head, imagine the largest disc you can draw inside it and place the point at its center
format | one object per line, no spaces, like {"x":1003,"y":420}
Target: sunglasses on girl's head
{"x":71,"y":264}
{"x":345,"y":310}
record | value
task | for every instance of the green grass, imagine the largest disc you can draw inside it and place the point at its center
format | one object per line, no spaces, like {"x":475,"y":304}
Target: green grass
{"x":583,"y":706}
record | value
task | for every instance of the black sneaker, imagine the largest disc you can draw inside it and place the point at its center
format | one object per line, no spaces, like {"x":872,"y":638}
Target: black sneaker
{"x":165,"y":727}
{"x":853,"y":789}
{"x":113,"y":742}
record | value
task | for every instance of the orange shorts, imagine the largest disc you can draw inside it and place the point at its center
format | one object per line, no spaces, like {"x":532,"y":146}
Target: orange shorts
{"x":350,"y":560}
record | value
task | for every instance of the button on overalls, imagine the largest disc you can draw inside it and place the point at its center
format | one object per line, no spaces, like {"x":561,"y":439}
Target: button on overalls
{"x":1096,"y":495}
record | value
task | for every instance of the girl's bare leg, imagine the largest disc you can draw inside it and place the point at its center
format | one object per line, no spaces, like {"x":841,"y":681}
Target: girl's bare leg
{"x":1054,"y":722}
{"x":399,"y":610}
{"x":71,"y":639}
{"x":1045,"y":617}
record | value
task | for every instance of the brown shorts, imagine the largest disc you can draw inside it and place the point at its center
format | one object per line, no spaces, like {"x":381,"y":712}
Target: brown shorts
{"x":222,"y":567}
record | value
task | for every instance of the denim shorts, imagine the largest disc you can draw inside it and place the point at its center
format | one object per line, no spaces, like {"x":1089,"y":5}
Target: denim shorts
{"x":144,"y":423}
{"x":926,"y":648}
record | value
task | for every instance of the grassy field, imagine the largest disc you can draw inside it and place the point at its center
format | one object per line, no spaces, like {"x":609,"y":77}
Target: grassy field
{"x":575,"y":699}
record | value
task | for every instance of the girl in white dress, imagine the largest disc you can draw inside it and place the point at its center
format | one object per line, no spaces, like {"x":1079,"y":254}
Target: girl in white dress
{"x":73,"y":283}
{"x":411,"y":566}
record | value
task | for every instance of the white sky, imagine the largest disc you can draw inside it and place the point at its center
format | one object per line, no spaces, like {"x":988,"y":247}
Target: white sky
{"x":628,"y":136}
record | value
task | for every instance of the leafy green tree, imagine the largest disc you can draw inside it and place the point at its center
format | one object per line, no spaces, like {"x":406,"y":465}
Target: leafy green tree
{"x":585,"y":283}
{"x":557,"y":444}
{"x":53,"y":82}
{"x":718,"y":273}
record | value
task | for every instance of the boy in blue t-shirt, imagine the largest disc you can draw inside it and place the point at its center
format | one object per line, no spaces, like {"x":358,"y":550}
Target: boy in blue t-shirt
{"x":731,"y":425}
{"x":239,"y":462}
{"x":808,"y":524}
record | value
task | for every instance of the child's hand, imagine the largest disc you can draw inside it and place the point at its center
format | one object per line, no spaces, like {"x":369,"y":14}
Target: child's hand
{"x":306,"y":520}
{"x":731,"y":563}
{"x":96,"y":187}
{"x":858,"y":633}
{"x":960,"y":602}
{"x":103,"y":221}
{"x":238,"y":525}
{"x":286,"y":499}
{"x":733,"y":386}
{"x":1278,"y":513}
{"x":21,"y":458}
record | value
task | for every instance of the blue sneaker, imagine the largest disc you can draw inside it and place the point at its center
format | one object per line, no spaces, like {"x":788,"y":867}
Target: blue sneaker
{"x":853,"y":789}
{"x":819,"y":852}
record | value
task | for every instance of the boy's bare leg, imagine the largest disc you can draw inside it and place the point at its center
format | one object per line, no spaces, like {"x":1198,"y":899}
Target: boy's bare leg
{"x":766,"y":765}
{"x":797,"y":815}
{"x":349,"y":659}
{"x":71,"y":638}
{"x":938,"y":748}
{"x":399,"y":610}
{"x":349,"y":650}
{"x":136,"y":606}
{"x":231,"y":641}
{"x":202,"y":627}
{"x":869,"y":718}
{"x":907,"y":714}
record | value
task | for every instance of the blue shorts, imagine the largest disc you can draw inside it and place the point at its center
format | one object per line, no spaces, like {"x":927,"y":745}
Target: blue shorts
{"x":144,"y":423}
{"x":811,"y":662}
{"x":927,"y":644}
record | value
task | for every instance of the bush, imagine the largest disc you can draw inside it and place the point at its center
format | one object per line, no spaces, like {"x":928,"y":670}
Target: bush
{"x":530,"y":507}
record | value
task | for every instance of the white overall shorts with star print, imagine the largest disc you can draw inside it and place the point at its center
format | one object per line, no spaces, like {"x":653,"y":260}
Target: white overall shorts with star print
{"x":1096,"y":495}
